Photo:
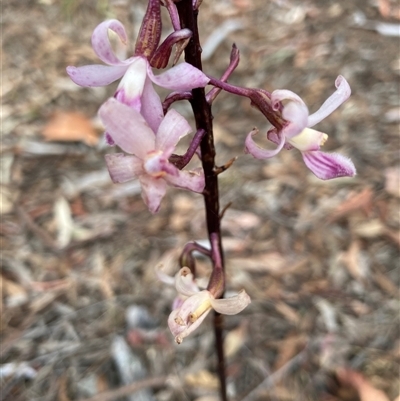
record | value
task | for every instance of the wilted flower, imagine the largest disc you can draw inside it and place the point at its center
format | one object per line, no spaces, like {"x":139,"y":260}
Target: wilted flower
{"x":190,"y":313}
{"x":149,"y":152}
{"x":298,"y":134}
{"x":135,"y":89}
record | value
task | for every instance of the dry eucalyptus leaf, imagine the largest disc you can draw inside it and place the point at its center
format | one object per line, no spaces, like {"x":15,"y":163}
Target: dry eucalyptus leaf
{"x":370,"y":229}
{"x":354,"y":262}
{"x":15,"y":294}
{"x":266,"y":262}
{"x":202,"y":379}
{"x":366,"y":391}
{"x":65,"y":224}
{"x":392,"y":181}
{"x":361,"y":200}
{"x":70,"y":127}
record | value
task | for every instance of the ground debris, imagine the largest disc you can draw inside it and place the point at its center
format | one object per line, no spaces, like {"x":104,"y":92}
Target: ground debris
{"x":83,"y":309}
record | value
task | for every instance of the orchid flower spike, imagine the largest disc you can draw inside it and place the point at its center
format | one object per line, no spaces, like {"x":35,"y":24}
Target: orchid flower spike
{"x":190,"y":313}
{"x":135,"y":89}
{"x":298,"y":134}
{"x":149,"y":152}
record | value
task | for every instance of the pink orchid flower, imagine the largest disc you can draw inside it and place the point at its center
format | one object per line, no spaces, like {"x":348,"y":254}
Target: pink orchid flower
{"x":298,"y":134}
{"x":149,"y":152}
{"x":190,"y":313}
{"x":135,"y":89}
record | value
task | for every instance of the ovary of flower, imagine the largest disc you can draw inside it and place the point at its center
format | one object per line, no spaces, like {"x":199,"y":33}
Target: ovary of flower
{"x":135,"y":89}
{"x":297,"y":133}
{"x":194,"y":309}
{"x":148,"y":152}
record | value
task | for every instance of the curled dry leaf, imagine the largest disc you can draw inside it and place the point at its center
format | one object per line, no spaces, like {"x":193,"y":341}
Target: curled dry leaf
{"x":366,"y":391}
{"x":70,"y":127}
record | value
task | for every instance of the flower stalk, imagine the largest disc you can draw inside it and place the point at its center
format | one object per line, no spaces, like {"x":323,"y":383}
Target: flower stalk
{"x":203,"y":117}
{"x":147,"y":131}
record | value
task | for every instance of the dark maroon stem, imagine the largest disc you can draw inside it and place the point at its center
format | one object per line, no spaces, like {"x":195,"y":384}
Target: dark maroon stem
{"x":182,"y":161}
{"x":234,"y":62}
{"x":175,"y":97}
{"x":203,"y":117}
{"x":187,"y":259}
{"x":261,"y":99}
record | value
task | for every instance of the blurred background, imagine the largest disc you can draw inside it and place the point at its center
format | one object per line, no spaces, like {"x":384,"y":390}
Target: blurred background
{"x":82,"y":310}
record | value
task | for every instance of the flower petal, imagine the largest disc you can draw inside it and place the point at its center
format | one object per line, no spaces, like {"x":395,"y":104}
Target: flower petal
{"x":329,"y":165}
{"x":151,"y":110}
{"x":179,"y":320}
{"x":192,"y":180}
{"x":131,"y":87}
{"x":184,"y":283}
{"x":342,"y":93}
{"x":153,"y":190}
{"x":172,"y":128}
{"x":233,"y":305}
{"x":283,"y":94}
{"x":95,"y":75}
{"x":127,"y":128}
{"x":123,"y":167}
{"x":297,"y":116}
{"x":295,"y":112}
{"x":156,"y":164}
{"x":259,"y":153}
{"x":182,"y":77}
{"x":101,"y":42}
{"x":179,"y":331}
{"x":309,"y":139}
{"x":274,"y":137}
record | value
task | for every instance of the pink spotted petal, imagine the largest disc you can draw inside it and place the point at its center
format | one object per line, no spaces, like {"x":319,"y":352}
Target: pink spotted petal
{"x":153,"y":190}
{"x":101,"y":42}
{"x":182,"y":77}
{"x":233,"y":305}
{"x":191,"y":180}
{"x":95,"y":75}
{"x":151,"y":110}
{"x":329,"y":165}
{"x":127,"y":127}
{"x":123,"y":167}
{"x":172,"y":128}
{"x":260,"y":153}
{"x":341,"y":94}
{"x":185,"y":284}
{"x":109,"y":139}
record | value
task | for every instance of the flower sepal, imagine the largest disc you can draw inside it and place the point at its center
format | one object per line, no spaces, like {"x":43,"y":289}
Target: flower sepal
{"x":188,"y":316}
